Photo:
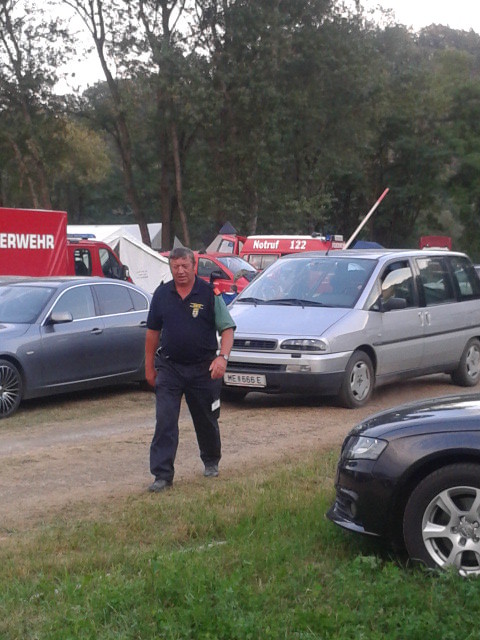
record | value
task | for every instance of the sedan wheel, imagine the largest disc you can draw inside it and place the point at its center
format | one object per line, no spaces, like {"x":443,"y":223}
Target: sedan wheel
{"x":441,"y":523}
{"x":10,"y":388}
{"x":467,"y":373}
{"x":357,"y":385}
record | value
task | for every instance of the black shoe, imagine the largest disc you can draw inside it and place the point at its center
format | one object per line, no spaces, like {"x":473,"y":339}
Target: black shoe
{"x":211,"y":471}
{"x":159,"y":485}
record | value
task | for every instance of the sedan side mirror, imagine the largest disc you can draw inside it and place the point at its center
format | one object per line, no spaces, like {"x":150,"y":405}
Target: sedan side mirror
{"x":60,"y":317}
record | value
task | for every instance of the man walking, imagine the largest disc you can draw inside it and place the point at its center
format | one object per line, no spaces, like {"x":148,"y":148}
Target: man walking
{"x":181,"y":358}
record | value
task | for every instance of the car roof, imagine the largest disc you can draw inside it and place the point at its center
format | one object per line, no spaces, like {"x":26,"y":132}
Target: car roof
{"x":57,"y":281}
{"x":371,"y":254}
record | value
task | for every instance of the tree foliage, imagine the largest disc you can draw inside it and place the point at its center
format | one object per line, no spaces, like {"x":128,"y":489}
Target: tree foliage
{"x":281,"y":116}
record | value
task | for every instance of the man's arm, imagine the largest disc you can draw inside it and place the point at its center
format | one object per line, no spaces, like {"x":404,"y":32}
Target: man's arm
{"x":151,"y":345}
{"x":219,"y":365}
{"x":226,"y":342}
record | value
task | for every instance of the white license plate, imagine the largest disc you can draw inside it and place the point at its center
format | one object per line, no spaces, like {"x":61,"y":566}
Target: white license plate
{"x":245,"y":380}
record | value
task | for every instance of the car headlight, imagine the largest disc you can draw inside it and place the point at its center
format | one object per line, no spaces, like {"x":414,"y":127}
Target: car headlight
{"x":304,"y":344}
{"x":363,"y":448}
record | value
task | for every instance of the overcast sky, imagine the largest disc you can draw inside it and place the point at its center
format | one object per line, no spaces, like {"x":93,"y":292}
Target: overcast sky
{"x":457,"y":14}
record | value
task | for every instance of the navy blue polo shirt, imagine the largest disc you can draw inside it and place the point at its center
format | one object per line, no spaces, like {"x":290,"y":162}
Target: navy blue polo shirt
{"x":188,"y":327}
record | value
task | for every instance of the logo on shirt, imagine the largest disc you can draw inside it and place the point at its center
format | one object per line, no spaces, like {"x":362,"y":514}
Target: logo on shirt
{"x":195,"y":306}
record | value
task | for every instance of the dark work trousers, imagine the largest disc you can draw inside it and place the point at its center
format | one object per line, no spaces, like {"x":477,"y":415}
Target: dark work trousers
{"x":202,"y":395}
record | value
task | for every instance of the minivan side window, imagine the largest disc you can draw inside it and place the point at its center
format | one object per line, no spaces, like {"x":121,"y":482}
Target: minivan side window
{"x":435,"y":279}
{"x":397,"y":282}
{"x":464,"y":278}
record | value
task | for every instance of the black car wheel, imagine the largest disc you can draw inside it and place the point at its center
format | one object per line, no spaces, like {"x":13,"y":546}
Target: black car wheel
{"x":441,"y":523}
{"x":10,"y":388}
{"x":467,"y":373}
{"x":357,"y":385}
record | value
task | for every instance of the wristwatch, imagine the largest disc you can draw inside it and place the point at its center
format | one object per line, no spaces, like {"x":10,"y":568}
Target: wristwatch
{"x":224,"y":355}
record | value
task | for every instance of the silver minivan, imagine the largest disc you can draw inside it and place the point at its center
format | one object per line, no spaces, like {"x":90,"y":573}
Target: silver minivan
{"x":342,"y":323}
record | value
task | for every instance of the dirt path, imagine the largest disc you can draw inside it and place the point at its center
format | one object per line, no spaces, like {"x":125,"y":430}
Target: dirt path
{"x":77,"y":458}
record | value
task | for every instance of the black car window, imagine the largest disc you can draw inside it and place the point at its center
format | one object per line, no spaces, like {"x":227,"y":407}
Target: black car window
{"x":113,"y":298}
{"x":78,"y":301}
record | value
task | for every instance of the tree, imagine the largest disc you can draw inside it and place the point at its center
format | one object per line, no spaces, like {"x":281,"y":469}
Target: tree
{"x":102,"y":21}
{"x":29,"y":58}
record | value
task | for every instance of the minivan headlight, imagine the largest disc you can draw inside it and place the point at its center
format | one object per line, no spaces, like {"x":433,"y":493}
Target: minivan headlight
{"x":304,"y":344}
{"x":364,"y":448}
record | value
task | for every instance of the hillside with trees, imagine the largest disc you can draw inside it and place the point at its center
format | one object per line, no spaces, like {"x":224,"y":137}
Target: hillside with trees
{"x":287,"y":116}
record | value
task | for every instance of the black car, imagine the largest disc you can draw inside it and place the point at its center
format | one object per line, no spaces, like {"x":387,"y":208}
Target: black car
{"x":412,"y":474}
{"x":60,"y":335}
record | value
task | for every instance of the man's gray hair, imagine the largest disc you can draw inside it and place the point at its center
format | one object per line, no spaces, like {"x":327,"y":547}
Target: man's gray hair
{"x":182,"y":252}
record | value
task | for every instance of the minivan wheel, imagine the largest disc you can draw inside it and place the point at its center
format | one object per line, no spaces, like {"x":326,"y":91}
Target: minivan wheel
{"x":441,"y":522}
{"x":358,"y":381}
{"x":467,"y":374}
{"x":11,"y":388}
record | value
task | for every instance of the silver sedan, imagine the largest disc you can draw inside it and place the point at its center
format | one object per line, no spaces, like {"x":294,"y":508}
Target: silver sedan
{"x":59,"y":335}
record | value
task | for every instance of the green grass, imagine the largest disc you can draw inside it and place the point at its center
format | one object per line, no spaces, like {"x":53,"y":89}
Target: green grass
{"x":234,"y":559}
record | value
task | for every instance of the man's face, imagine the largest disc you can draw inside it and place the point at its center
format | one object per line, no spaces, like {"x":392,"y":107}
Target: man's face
{"x":183,"y":271}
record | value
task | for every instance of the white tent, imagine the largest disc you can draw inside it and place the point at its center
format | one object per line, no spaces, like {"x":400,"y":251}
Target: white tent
{"x":147,"y":267}
{"x":101,"y":231}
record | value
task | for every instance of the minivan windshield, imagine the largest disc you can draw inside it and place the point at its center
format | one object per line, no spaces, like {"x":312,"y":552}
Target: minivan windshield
{"x":325,"y":281}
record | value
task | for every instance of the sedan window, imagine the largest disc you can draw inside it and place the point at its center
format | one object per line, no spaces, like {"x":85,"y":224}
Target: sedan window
{"x":78,"y":301}
{"x":113,"y":298}
{"x":140,"y":302}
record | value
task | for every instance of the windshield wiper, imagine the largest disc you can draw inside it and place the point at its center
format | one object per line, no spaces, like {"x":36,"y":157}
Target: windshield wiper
{"x":293,"y":302}
{"x":296,"y":302}
{"x":255,"y":301}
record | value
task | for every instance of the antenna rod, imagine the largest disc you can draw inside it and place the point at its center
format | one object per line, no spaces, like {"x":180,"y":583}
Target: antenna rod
{"x":365,"y":220}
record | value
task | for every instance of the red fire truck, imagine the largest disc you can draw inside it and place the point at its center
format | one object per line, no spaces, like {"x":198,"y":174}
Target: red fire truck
{"x":35,"y":243}
{"x":261,"y":251}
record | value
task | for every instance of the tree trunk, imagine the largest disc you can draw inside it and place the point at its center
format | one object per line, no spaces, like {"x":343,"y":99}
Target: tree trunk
{"x":178,"y":183}
{"x":92,"y":15}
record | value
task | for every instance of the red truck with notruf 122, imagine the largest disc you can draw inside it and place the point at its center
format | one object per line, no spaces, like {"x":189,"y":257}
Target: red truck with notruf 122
{"x":34,"y":242}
